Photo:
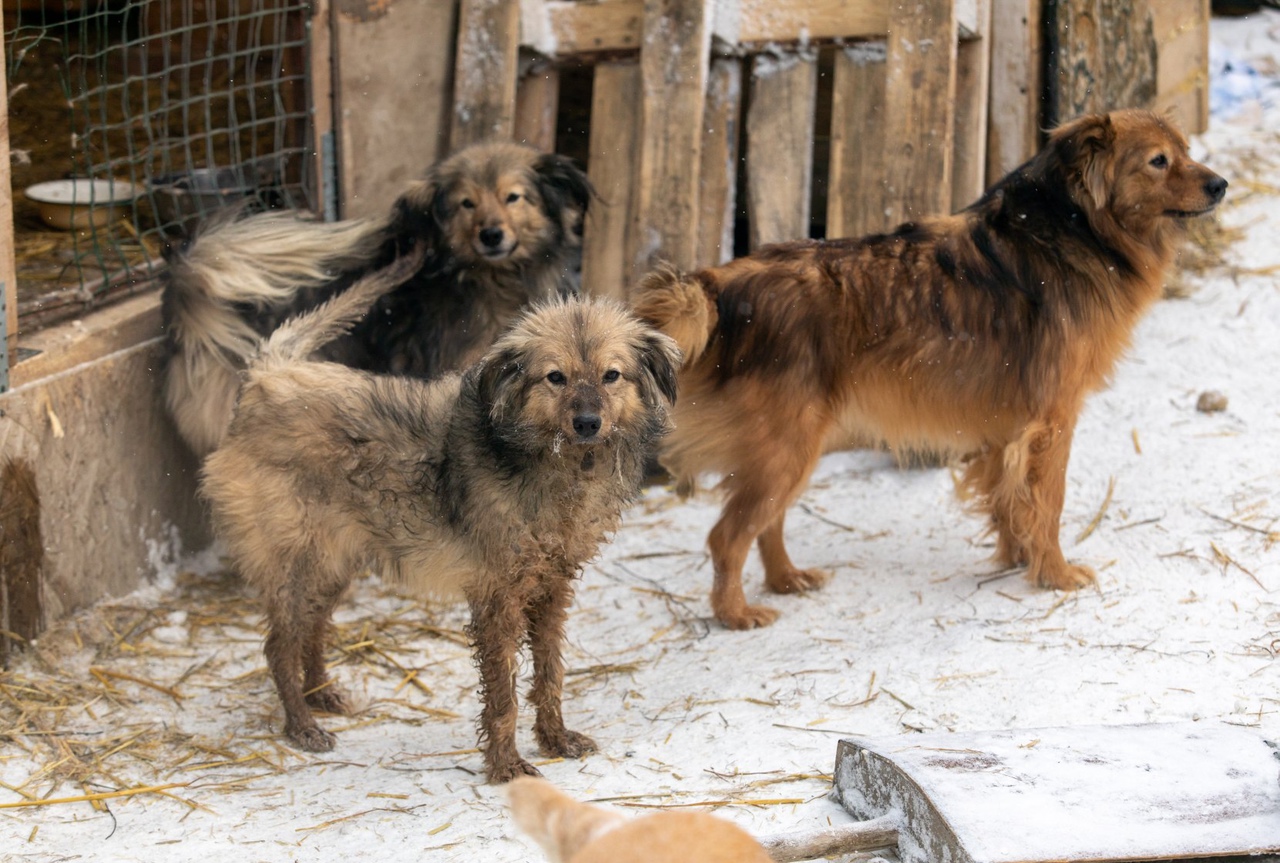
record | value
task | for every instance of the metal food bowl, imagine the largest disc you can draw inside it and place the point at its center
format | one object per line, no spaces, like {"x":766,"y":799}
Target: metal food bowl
{"x":81,"y":203}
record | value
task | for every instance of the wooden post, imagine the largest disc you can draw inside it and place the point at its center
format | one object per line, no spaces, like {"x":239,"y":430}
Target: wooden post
{"x":392,"y":80}
{"x":780,"y":147}
{"x":1013,"y":129}
{"x":1103,"y":56}
{"x":608,"y":252}
{"x":8,"y":271}
{"x":484,"y":94}
{"x":855,"y":190}
{"x":973,"y":66}
{"x":323,"y":137}
{"x":718,"y":176}
{"x":920,"y":88}
{"x":537,"y":101}
{"x":1182,"y":70}
{"x":673,"y":75}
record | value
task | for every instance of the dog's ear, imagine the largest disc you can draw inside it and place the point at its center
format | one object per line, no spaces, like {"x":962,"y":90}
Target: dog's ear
{"x":420,"y":211}
{"x":565,"y":189}
{"x":498,"y":382}
{"x":1084,"y":146}
{"x":660,"y":361}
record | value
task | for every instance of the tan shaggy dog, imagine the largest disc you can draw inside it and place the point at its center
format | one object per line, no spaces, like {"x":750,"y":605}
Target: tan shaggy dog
{"x":573,"y":832}
{"x":977,"y":334}
{"x":502,"y":226}
{"x":497,"y":484}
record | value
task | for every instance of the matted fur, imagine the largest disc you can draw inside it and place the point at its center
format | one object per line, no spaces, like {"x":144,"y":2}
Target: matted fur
{"x":502,"y":225}
{"x":977,"y":334}
{"x":573,"y":832}
{"x":497,"y":484}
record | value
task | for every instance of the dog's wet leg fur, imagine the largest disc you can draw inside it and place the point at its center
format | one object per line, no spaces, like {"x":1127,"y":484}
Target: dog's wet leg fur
{"x":498,"y":625}
{"x":780,"y":574}
{"x":321,"y":692}
{"x":548,"y":613}
{"x":289,"y":630}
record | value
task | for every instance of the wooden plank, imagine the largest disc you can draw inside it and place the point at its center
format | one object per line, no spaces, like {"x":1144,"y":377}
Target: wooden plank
{"x":673,"y":75}
{"x":1103,"y":56}
{"x":8,"y":272}
{"x":320,"y":82}
{"x":537,"y":100}
{"x":973,"y":67}
{"x":1172,"y":17}
{"x":393,"y":76}
{"x":718,"y":176}
{"x":484,"y":89}
{"x":1182,"y":78}
{"x":780,"y":147}
{"x":855,"y":197}
{"x":608,"y":253}
{"x":804,"y":20}
{"x":920,"y":88}
{"x":1013,"y":129}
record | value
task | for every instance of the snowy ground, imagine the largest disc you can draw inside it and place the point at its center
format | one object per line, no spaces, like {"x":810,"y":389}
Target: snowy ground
{"x":167,"y":687}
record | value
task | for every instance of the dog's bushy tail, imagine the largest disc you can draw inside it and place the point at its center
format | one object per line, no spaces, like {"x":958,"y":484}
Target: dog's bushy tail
{"x":678,"y":305}
{"x":299,"y":337}
{"x":559,"y":824}
{"x":234,"y":264}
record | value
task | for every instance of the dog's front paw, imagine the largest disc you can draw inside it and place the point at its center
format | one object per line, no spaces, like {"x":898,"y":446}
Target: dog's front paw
{"x":1070,"y":576}
{"x":504,"y":771}
{"x":795,"y":580}
{"x":747,"y":616}
{"x":567,"y":744}
{"x":330,"y":700}
{"x":312,"y":738}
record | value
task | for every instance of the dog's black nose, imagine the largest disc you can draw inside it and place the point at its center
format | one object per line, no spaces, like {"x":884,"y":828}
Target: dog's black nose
{"x":1215,"y":188}
{"x":586,"y":425}
{"x":491,"y":236}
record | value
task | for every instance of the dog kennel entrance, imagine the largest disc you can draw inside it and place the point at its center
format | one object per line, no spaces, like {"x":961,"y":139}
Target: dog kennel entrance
{"x":130,"y":119}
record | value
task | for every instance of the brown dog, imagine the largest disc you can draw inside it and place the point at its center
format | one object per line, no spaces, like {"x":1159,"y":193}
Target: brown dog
{"x":498,"y":484}
{"x":502,"y":225}
{"x":977,"y":334}
{"x":573,"y":832}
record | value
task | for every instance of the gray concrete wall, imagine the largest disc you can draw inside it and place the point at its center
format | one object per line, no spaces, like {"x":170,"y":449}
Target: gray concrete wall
{"x":115,"y":486}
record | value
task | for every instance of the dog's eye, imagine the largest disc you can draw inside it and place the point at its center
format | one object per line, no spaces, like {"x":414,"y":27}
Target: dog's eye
{"x":1161,"y":161}
{"x":513,"y":197}
{"x":468,"y":204}
{"x":612,"y":375}
{"x":556,"y":378}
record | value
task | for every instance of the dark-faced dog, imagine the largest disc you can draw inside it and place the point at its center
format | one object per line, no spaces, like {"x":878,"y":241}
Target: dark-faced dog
{"x":502,"y":228}
{"x":497,"y":484}
{"x":978,"y":334}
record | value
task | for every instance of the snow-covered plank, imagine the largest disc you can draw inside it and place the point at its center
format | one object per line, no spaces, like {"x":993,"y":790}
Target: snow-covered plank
{"x":717,"y":199}
{"x":484,"y":87}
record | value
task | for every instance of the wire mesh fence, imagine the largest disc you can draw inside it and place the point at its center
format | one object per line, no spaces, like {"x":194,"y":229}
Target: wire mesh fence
{"x":131,"y":120}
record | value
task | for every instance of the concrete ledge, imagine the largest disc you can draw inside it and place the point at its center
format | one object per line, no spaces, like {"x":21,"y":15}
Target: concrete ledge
{"x":115,"y":486}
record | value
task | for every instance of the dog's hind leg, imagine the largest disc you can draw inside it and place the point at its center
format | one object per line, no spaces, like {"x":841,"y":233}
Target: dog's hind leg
{"x":498,"y":625}
{"x":320,"y":691}
{"x":1029,"y":499}
{"x":780,"y":574}
{"x":982,"y":478}
{"x":547,"y":614}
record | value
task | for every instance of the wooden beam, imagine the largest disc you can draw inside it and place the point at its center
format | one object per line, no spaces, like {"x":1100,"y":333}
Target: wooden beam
{"x":8,"y":270}
{"x":1013,"y":129}
{"x":973,"y":68}
{"x":920,"y":88}
{"x":1182,"y":66}
{"x":393,"y":76}
{"x":780,"y":147}
{"x":673,"y":75}
{"x":608,"y":253}
{"x":323,"y":136}
{"x":484,"y":90}
{"x":855,"y":189}
{"x":718,"y":176}
{"x":537,"y":100}
{"x":1103,"y":56}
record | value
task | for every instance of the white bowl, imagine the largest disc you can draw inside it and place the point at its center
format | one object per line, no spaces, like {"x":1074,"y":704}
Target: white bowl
{"x":79,"y":204}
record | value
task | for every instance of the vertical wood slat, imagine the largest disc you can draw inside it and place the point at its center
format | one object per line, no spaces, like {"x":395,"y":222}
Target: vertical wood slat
{"x":8,"y":272}
{"x":320,"y":82}
{"x":393,"y":75}
{"x":718,"y":175}
{"x":537,"y":100}
{"x":1013,"y":130}
{"x":973,"y":67}
{"x":780,"y":147}
{"x":608,"y":253}
{"x":920,"y":88}
{"x":484,"y":94}
{"x":1103,"y":57}
{"x":856,"y":193}
{"x":673,"y":74}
